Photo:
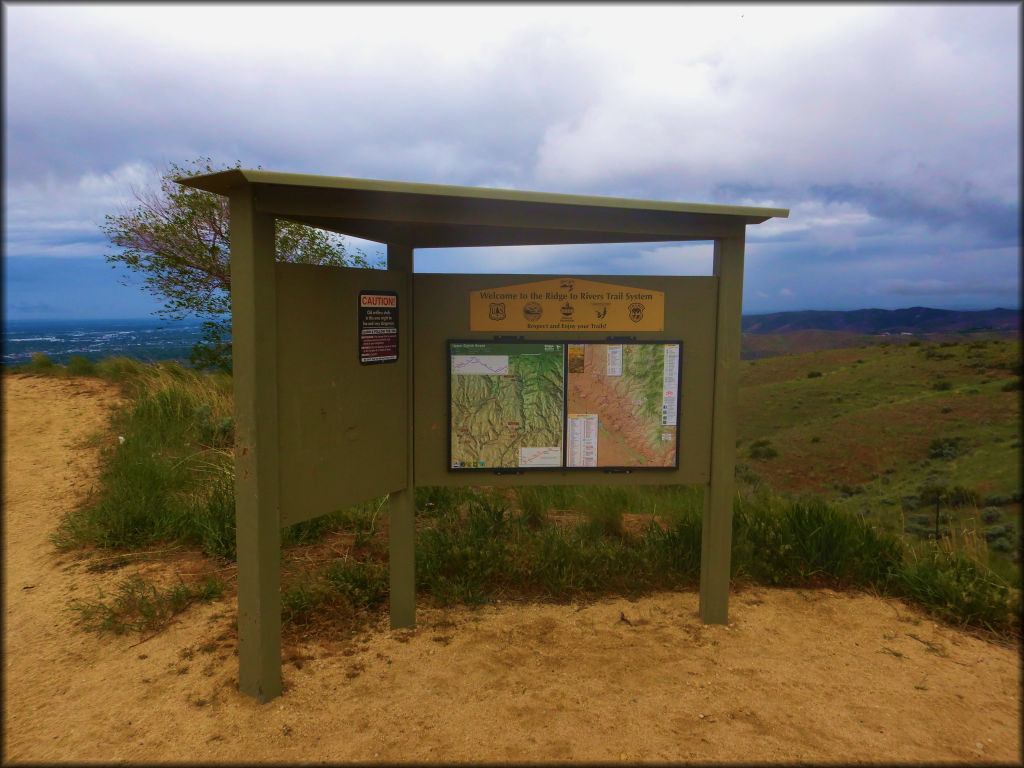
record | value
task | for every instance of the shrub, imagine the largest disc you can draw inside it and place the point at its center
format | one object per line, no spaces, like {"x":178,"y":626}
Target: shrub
{"x":434,"y":500}
{"x":40,"y":363}
{"x":762,"y":449}
{"x":957,"y":588}
{"x":120,"y":369}
{"x":533,"y":504}
{"x":213,"y":433}
{"x":465,"y":561}
{"x":813,"y":374}
{"x":603,"y":508}
{"x":747,"y":474}
{"x":947,"y":447}
{"x":299,"y":601}
{"x":931,"y":353}
{"x":993,"y":532}
{"x":213,"y":518}
{"x":80,"y":366}
{"x":998,"y":500}
{"x":140,"y":606}
{"x":604,"y":521}
{"x":1003,"y":545}
{"x":1014,"y":385}
{"x":942,"y":386}
{"x":991,"y":514}
{"x":934,"y":494}
{"x":910,"y":501}
{"x":792,"y":542}
{"x":363,"y":585}
{"x":156,"y":484}
{"x":961,"y":496}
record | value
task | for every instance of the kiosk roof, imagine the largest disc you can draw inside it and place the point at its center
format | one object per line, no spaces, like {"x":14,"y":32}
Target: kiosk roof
{"x":442,"y":216}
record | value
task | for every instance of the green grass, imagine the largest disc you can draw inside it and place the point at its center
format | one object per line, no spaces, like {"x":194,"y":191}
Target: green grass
{"x":959,"y":590}
{"x":347,"y":590}
{"x":803,"y":541}
{"x":139,"y":606}
{"x":871,"y":429}
{"x":169,"y":475}
{"x":171,"y":480}
{"x":490,"y":551}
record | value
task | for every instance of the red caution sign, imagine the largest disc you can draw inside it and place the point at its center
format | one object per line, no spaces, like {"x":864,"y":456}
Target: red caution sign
{"x":378,"y":327}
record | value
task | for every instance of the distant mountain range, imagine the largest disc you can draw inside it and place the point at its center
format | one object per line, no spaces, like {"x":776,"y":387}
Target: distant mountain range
{"x":879,"y":321}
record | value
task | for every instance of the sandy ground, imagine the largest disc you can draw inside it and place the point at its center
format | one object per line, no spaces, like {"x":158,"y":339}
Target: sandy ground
{"x":810,"y":676}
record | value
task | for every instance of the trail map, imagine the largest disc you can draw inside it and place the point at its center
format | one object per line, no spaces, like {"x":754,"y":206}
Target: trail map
{"x":622,"y":405}
{"x":564,"y":404}
{"x":507,"y":405}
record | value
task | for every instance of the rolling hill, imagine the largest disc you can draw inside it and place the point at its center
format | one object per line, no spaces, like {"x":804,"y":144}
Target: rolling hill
{"x":913,"y":320}
{"x":783,"y":333}
{"x":872,"y":428}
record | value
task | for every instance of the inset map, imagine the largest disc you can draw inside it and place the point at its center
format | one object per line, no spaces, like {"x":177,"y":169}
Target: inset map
{"x":506,"y":405}
{"x":622,"y":405}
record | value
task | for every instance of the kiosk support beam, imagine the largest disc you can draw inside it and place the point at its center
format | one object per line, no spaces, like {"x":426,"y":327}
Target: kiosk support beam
{"x":254,"y":352}
{"x":716,"y":529}
{"x":402,"y":504}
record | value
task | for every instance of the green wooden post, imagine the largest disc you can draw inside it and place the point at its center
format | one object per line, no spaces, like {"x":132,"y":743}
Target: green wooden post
{"x":716,"y":530}
{"x":254,"y":346}
{"x":402,"y":504}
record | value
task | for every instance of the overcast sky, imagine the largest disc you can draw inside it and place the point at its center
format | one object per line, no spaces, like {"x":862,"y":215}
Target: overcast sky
{"x":891,"y":133}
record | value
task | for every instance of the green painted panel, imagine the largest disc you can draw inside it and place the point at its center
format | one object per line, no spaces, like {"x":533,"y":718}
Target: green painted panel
{"x":342,"y":425}
{"x":441,"y":313}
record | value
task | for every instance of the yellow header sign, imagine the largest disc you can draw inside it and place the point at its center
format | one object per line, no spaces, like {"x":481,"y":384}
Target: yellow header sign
{"x":566,"y":304}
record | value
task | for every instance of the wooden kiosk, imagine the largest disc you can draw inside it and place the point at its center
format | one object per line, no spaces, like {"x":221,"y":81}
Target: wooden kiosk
{"x":342,"y":376}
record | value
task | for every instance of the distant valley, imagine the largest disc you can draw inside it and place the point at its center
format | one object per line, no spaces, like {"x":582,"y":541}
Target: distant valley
{"x":781,"y":333}
{"x":873,"y":321}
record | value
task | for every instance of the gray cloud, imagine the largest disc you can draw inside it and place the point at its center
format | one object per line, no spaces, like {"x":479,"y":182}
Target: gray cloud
{"x":891,"y":132}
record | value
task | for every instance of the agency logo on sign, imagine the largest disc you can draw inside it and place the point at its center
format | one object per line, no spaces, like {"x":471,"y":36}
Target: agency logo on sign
{"x":636,"y":311}
{"x":567,"y":310}
{"x":532,"y":310}
{"x":497,"y":310}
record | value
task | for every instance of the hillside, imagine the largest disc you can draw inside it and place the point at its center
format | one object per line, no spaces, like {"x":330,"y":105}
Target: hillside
{"x":871,"y":427}
{"x":914,"y":320}
{"x":798,"y":675}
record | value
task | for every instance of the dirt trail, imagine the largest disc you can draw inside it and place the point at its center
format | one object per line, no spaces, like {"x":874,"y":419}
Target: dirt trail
{"x":809,"y":676}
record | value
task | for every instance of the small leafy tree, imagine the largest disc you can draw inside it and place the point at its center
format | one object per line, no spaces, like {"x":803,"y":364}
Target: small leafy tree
{"x":178,"y":239}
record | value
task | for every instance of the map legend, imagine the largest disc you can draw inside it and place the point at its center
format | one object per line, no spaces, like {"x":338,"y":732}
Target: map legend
{"x":581,"y":440}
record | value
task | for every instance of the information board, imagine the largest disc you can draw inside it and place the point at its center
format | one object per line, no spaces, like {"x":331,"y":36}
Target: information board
{"x":517,"y":406}
{"x":565,"y":304}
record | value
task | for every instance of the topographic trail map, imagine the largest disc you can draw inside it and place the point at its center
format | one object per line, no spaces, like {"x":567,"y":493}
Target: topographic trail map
{"x":507,"y":405}
{"x":622,"y":405}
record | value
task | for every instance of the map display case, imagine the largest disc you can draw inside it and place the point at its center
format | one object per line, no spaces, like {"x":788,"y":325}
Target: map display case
{"x":516,"y":406}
